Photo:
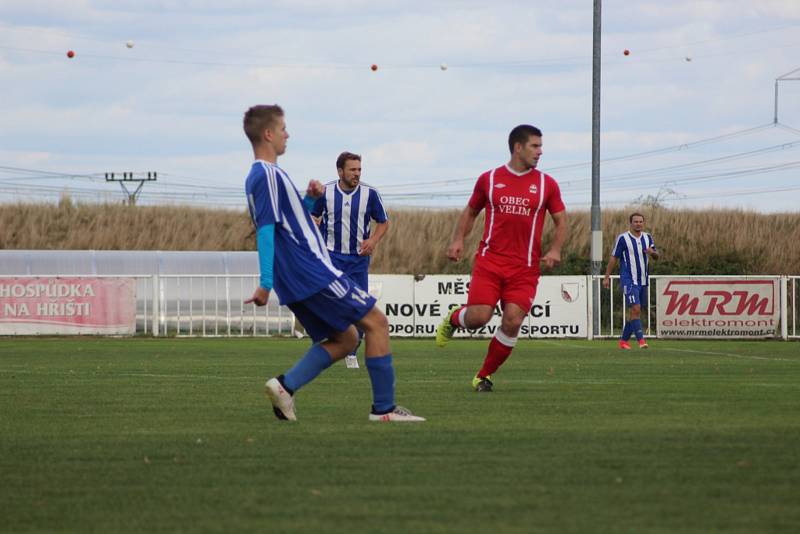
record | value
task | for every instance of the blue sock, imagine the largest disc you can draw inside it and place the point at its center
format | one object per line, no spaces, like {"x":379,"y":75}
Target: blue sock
{"x":636,"y":327}
{"x":627,"y":331}
{"x":307,"y":368}
{"x":381,"y":374}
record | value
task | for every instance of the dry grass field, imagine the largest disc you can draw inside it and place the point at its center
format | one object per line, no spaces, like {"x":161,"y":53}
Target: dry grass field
{"x":710,"y":242}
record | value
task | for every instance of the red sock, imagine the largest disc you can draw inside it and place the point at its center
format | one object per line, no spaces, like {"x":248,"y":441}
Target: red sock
{"x":497,"y":354}
{"x":454,"y":318}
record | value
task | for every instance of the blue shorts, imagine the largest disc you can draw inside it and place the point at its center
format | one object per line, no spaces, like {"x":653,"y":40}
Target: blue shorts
{"x":333,"y":309}
{"x":634,"y":295}
{"x":354,"y":266}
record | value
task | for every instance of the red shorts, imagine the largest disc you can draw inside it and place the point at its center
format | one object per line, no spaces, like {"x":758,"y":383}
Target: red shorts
{"x":493,"y":281}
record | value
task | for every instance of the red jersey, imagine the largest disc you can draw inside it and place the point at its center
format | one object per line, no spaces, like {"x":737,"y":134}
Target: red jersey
{"x":515,"y":209}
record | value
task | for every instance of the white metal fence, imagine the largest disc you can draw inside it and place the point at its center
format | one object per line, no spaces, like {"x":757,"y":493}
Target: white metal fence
{"x":791,"y":292}
{"x":612,"y":311}
{"x":213,"y":305}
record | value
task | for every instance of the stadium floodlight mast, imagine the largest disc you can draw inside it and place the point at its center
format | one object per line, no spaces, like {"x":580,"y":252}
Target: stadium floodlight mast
{"x":129,"y":177}
{"x":788,"y":77}
{"x":597,"y":233}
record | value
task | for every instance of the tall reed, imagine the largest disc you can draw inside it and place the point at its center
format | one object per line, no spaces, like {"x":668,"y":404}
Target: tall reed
{"x":691,"y":241}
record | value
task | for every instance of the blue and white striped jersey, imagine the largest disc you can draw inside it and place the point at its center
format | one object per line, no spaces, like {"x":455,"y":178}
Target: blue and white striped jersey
{"x":302,"y":265}
{"x":629,"y":250}
{"x":346,"y":216}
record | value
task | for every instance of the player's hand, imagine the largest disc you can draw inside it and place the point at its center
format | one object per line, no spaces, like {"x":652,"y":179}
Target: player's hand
{"x":315,"y":189}
{"x":259,"y":298}
{"x":455,"y":250}
{"x":551,"y":259}
{"x":650,"y":251}
{"x":367,"y":247}
{"x":606,"y":281}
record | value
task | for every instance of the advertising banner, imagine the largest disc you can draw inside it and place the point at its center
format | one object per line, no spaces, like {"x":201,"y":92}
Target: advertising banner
{"x":416,"y":305}
{"x":559,"y":309}
{"x":395,"y":294}
{"x":32,"y":306}
{"x":721,"y":308}
{"x":435,"y":294}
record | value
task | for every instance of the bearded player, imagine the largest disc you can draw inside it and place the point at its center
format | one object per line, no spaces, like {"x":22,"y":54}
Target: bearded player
{"x":516,"y":197}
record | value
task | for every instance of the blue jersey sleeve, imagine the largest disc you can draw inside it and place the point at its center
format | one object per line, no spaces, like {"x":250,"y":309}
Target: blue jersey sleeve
{"x":263,"y":199}
{"x":377,"y":211}
{"x":650,"y":242}
{"x":319,"y":206}
{"x":618,"y":247}
{"x":265,"y":239}
{"x":309,"y":203}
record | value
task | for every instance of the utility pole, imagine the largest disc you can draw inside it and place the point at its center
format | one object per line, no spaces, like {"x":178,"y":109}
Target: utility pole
{"x":597,"y":233}
{"x":130,"y":177}
{"x":789,"y":76}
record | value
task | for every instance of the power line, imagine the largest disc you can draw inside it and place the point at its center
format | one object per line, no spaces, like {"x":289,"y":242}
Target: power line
{"x":690,"y":166}
{"x":686,"y":173}
{"x":739,"y":193}
{"x":628,"y":157}
{"x":670,"y":149}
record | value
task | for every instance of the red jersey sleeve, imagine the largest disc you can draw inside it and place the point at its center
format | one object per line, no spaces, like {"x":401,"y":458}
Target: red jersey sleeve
{"x":478,"y":199}
{"x":554,"y":202}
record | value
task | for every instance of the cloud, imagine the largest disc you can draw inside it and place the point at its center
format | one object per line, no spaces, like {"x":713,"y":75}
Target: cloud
{"x":174,"y":102}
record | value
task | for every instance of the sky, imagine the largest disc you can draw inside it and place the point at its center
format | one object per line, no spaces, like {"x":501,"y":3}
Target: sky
{"x":687,"y":116}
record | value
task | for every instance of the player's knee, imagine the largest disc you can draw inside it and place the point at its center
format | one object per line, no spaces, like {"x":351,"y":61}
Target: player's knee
{"x":353,"y":344}
{"x":511,"y":325}
{"x":342,"y":343}
{"x":350,"y":338}
{"x":478,"y":317}
{"x":374,"y":321}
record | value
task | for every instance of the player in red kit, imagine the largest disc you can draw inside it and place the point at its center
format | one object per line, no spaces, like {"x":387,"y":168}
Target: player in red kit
{"x":516,"y":197}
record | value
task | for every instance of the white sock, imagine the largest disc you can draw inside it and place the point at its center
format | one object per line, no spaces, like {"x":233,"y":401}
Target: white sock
{"x":460,"y":315}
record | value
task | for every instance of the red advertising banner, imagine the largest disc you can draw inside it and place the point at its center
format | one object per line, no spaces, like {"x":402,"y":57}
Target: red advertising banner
{"x":717,"y":308}
{"x":32,"y":306}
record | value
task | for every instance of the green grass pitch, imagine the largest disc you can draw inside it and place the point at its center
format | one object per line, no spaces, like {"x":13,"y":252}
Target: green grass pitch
{"x":119,"y":435}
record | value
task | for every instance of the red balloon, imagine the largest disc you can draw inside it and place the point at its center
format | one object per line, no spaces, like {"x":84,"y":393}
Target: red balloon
{"x":70,"y":54}
{"x":374,"y":67}
{"x":626,"y":52}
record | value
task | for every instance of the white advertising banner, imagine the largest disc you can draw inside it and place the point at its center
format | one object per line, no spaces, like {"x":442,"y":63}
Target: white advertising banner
{"x":559,"y":309}
{"x":435,"y":294}
{"x":415,"y":306}
{"x":717,"y":308}
{"x":66,"y":305}
{"x":395,"y":294}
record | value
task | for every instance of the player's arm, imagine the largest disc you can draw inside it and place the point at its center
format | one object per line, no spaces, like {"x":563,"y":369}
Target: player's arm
{"x":314,"y":191}
{"x":378,"y":214}
{"x":651,"y":250}
{"x":265,"y":239}
{"x":463,"y":227}
{"x":612,"y":262}
{"x":553,"y":256}
{"x":368,"y":245}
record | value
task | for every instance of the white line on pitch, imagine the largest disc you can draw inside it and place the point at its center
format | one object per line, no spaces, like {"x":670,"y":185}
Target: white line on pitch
{"x":560,"y":344}
{"x":153,"y":375}
{"x":741,"y":356}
